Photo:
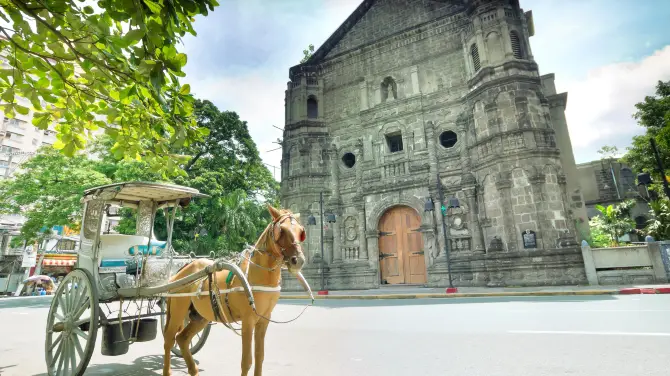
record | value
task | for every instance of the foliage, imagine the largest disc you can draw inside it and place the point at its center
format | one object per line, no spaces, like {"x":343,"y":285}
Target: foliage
{"x":614,"y":221}
{"x":308,"y":53}
{"x":654,"y":115}
{"x":659,"y":226}
{"x":598,"y":238}
{"x":48,"y":191}
{"x":112,"y":65}
{"x":608,"y":152}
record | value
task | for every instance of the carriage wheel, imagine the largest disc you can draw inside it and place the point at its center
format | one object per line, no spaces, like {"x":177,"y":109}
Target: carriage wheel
{"x":72,"y":325}
{"x":197,"y":342}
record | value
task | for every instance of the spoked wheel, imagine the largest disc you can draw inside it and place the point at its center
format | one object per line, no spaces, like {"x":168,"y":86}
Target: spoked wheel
{"x":197,"y":342}
{"x":72,"y":325}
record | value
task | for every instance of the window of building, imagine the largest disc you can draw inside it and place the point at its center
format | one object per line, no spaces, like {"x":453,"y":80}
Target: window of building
{"x":8,"y":149}
{"x":474,"y":51}
{"x":448,"y":139}
{"x":389,"y":87}
{"x":516,"y":44}
{"x":627,"y":179}
{"x":312,"y":108}
{"x":35,"y":141}
{"x":394,"y":142}
{"x":640,"y":222}
{"x":349,"y":160}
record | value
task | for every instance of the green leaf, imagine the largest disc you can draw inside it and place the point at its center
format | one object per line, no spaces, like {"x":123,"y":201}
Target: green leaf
{"x":22,"y":110}
{"x":41,"y":120}
{"x":133,"y":36}
{"x":153,"y":7}
{"x":88,"y":9}
{"x":185,"y":89}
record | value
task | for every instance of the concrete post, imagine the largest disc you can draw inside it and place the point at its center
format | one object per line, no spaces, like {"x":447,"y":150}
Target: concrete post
{"x":654,"y":249}
{"x":589,"y":264}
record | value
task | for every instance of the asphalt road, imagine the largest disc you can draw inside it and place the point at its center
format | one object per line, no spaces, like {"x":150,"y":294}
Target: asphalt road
{"x":575,"y":336}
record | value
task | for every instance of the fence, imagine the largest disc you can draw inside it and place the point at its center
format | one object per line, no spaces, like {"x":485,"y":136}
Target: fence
{"x":639,"y":264}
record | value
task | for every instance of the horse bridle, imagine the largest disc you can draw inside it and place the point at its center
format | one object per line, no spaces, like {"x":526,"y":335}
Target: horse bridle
{"x":276,"y":233}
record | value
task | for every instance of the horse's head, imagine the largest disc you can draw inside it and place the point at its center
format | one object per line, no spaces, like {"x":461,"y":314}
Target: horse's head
{"x":287,"y":233}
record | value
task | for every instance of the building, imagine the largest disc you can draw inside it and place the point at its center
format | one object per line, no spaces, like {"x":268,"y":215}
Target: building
{"x":404,"y":91}
{"x":610,"y":182}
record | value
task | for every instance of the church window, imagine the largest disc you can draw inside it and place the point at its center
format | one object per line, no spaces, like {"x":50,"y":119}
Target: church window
{"x":627,"y":179}
{"x":474,"y":51}
{"x":394,"y":142}
{"x":448,"y":139}
{"x":389,"y":87}
{"x":312,"y":108}
{"x":349,"y":160}
{"x":640,"y":222}
{"x":516,"y":44}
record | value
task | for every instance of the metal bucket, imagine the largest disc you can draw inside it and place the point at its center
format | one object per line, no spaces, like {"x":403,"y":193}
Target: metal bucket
{"x":113,"y":343}
{"x":146,"y":330}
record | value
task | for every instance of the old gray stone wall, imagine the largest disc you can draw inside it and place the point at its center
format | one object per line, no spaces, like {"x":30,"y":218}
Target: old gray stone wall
{"x":404,"y":73}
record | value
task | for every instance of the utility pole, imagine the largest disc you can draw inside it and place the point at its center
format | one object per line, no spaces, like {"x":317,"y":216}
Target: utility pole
{"x":659,"y":164}
{"x":444,"y":230}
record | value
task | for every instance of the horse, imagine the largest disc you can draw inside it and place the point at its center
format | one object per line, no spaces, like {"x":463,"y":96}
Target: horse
{"x":277,"y":247}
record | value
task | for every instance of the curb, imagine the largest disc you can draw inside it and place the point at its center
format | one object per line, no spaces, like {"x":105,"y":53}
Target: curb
{"x":626,"y":291}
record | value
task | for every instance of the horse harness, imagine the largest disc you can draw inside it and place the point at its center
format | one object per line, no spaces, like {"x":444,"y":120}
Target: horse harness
{"x":215,"y":297}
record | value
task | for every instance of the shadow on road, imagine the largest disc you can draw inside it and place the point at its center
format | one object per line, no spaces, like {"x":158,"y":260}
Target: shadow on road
{"x":145,"y":365}
{"x":347,"y":303}
{"x":26,"y":302}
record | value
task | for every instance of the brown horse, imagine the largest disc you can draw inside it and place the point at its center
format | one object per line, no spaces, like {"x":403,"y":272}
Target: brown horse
{"x":277,"y":246}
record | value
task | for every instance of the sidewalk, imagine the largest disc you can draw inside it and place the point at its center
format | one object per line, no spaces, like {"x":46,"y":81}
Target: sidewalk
{"x":401,"y":292}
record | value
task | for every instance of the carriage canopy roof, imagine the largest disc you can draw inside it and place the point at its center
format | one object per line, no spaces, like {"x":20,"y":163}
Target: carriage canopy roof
{"x":144,"y":191}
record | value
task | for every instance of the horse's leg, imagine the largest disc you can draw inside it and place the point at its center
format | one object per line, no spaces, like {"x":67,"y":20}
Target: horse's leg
{"x":176,"y":311}
{"x":184,"y":341}
{"x":247,"y":336}
{"x":259,"y":343}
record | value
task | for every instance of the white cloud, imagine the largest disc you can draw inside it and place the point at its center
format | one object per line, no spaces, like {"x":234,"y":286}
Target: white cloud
{"x":601,"y":106}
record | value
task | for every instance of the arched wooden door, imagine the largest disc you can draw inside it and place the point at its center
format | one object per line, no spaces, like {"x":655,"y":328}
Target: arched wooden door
{"x":401,"y":258}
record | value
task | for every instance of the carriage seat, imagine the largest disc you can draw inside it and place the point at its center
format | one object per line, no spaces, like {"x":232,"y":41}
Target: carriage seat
{"x":116,"y":248}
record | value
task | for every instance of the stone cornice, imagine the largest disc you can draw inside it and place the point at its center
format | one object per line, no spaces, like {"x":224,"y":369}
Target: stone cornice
{"x":558,"y":100}
{"x":502,"y":81}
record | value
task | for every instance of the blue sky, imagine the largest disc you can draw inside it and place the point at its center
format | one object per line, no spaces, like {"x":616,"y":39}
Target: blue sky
{"x":607,"y":54}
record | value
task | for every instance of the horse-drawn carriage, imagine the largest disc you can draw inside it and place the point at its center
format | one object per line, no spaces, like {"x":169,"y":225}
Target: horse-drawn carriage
{"x":123,"y":284}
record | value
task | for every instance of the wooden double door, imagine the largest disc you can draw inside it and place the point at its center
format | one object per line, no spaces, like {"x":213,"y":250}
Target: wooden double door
{"x":401,"y":255}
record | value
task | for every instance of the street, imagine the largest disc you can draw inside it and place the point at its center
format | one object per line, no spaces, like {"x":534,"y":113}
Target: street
{"x":572,"y":335}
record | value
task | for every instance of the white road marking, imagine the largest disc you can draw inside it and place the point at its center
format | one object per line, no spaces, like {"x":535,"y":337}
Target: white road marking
{"x":590,"y":333}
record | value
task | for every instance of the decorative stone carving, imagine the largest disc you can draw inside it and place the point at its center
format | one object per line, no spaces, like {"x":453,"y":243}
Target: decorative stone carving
{"x":350,"y":228}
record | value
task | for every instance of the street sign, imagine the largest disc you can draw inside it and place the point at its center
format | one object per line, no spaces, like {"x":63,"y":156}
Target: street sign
{"x":29,"y":258}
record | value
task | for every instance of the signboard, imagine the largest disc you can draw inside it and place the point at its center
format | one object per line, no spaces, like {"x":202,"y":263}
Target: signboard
{"x":529,"y":239}
{"x":29,"y":258}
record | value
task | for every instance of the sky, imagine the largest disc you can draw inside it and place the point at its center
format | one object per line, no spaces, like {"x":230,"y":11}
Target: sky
{"x":606,"y":54}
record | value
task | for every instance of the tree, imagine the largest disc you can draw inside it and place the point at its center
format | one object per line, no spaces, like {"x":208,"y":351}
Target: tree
{"x":659,"y":225}
{"x":654,"y":115}
{"x":614,"y":220}
{"x":113,"y":65}
{"x":608,"y":152}
{"x":49,"y":190}
{"x":308,"y":53}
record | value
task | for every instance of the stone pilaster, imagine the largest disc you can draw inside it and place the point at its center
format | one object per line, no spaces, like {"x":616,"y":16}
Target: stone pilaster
{"x":414,"y":74}
{"x":504,"y":188}
{"x":363,"y":87}
{"x":432,"y":155}
{"x":473,"y":220}
{"x":481,"y":46}
{"x":568,"y":237}
{"x":544,"y":227}
{"x":337,"y":237}
{"x":359,"y":170}
{"x":335,"y":176}
{"x":363,"y":243}
{"x":504,"y":29}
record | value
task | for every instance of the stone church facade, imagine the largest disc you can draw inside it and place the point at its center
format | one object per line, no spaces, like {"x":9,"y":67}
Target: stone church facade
{"x":407,"y":95}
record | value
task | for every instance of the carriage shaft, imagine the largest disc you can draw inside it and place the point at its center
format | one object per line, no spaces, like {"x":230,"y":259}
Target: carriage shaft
{"x":217,"y":266}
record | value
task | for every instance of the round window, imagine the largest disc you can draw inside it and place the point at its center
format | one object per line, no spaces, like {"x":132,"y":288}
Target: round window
{"x":349,"y":160}
{"x":448,"y":139}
